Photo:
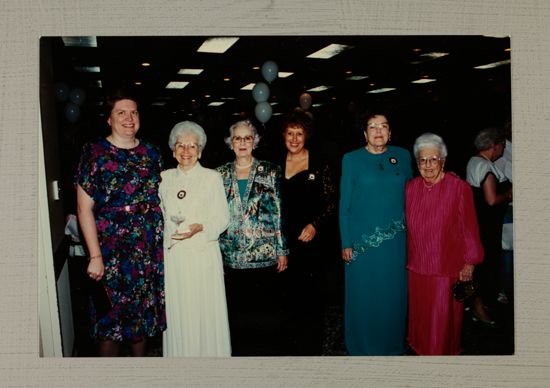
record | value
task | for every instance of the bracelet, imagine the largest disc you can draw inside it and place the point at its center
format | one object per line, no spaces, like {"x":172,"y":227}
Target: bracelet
{"x":95,"y":257}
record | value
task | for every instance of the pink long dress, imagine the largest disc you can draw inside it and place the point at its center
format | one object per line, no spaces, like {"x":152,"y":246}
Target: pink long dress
{"x":442,"y":236}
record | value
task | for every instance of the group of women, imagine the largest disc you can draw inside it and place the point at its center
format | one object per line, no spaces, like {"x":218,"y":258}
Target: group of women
{"x":189,"y":251}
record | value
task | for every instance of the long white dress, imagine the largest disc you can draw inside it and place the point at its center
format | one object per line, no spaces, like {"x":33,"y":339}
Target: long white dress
{"x":196,"y":308}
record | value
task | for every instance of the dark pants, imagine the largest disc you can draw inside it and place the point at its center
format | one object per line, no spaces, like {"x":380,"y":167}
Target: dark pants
{"x":254,"y":303}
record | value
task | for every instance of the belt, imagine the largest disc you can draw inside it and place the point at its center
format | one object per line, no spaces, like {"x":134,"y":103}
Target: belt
{"x":136,"y":208}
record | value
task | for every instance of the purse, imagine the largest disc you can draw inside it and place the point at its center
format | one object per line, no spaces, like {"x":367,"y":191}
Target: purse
{"x":463,"y":290}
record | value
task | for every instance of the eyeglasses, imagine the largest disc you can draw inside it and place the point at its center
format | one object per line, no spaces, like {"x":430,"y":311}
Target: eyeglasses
{"x":429,"y":160}
{"x":378,"y":126}
{"x":189,"y":146}
{"x":246,"y":139}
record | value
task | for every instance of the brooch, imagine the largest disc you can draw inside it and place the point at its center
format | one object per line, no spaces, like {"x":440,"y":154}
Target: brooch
{"x":182,"y":194}
{"x":393,"y":160}
{"x":260,"y":168}
{"x":311,"y":177}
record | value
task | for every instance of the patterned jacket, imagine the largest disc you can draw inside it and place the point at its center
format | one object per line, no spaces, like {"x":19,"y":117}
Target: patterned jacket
{"x":254,"y":238}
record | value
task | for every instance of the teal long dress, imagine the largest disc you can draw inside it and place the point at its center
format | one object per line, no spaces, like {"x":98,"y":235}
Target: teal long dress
{"x":372,"y":222}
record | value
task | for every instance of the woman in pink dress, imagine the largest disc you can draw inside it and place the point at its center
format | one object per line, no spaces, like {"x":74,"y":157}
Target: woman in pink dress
{"x":443,"y":246}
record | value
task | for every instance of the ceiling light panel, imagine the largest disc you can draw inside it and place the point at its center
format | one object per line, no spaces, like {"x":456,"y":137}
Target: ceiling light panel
{"x":284,"y":74}
{"x":423,"y":81}
{"x":177,"y":85}
{"x":248,"y":87}
{"x":88,"y":69}
{"x":190,"y":71}
{"x":216,"y":103}
{"x":329,"y":51}
{"x":319,"y":88}
{"x":381,"y":90}
{"x":79,"y":41}
{"x":217,"y":45}
{"x":493,"y":65}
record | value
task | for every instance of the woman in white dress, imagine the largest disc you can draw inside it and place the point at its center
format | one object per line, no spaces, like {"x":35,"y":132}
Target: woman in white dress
{"x":195,"y":213}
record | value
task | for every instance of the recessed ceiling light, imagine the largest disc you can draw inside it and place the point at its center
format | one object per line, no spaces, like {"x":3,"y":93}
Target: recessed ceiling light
{"x":276,"y":113}
{"x":159,"y":103}
{"x":88,"y":69}
{"x":217,"y":45}
{"x":423,"y":81}
{"x":79,"y":41}
{"x":190,"y":71}
{"x":207,"y":96}
{"x":145,"y":64}
{"x":227,"y":79}
{"x":137,"y":83}
{"x":177,"y":85}
{"x":227,"y":98}
{"x":329,"y":51}
{"x":508,"y":49}
{"x":381,"y":90}
{"x":349,"y":72}
{"x":319,"y":88}
{"x":248,"y":87}
{"x":256,"y":68}
{"x":357,"y":77}
{"x":493,"y":65}
{"x":317,"y":105}
{"x":284,"y":74}
{"x":216,"y":103}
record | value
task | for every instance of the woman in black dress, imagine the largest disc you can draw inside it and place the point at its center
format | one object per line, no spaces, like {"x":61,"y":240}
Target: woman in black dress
{"x":309,"y":204}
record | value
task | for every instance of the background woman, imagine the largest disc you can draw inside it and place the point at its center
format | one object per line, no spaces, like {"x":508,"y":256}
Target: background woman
{"x":121,"y":221}
{"x":443,"y":246}
{"x":195,"y":213}
{"x":372,"y":228}
{"x":492,"y":192}
{"x":309,"y":204}
{"x":254,"y":248}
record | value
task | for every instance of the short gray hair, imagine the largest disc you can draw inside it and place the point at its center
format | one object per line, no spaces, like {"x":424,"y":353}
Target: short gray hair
{"x":183,"y":128}
{"x":430,"y":140}
{"x":242,"y":123}
{"x":487,"y":137}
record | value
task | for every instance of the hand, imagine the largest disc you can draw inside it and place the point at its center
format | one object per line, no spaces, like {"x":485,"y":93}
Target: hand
{"x":466,"y":273}
{"x":96,"y":269}
{"x":308,"y":233}
{"x":347,"y":254}
{"x":193,"y":229}
{"x":282,"y":263}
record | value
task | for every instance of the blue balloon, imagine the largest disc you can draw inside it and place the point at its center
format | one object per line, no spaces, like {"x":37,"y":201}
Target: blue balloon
{"x":72,"y":111}
{"x":77,"y":96}
{"x":263,"y":111}
{"x":260,"y":92}
{"x":61,"y":91}
{"x":270,"y":70}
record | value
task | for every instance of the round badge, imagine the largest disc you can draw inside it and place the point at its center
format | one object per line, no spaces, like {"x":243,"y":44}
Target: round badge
{"x":393,"y":160}
{"x":182,"y":194}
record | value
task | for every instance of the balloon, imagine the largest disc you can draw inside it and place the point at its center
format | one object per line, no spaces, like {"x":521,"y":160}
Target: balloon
{"x":72,"y":111}
{"x":263,"y":111}
{"x":260,"y":92}
{"x":270,"y":70}
{"x":61,"y":91}
{"x":305,"y":101}
{"x":77,"y":96}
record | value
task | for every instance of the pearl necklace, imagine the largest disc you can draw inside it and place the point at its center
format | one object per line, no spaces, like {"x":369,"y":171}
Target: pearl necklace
{"x":245,"y":166}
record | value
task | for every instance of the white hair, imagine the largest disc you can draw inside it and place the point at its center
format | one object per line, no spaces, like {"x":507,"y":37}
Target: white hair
{"x":430,"y":140}
{"x":183,"y":128}
{"x":242,"y":123}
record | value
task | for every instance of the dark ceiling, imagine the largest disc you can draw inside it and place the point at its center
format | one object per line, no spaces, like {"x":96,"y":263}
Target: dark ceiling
{"x":460,"y":94}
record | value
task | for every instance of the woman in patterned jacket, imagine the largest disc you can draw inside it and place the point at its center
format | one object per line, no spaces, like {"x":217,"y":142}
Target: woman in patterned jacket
{"x":253,"y":246}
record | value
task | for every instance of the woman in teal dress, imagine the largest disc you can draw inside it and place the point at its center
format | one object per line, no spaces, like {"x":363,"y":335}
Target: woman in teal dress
{"x":372,"y":228}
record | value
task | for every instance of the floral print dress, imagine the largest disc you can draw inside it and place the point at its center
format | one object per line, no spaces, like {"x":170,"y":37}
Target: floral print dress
{"x":124,"y":186}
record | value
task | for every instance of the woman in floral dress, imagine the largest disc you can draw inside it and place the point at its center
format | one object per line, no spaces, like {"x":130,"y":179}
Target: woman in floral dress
{"x":118,"y":209}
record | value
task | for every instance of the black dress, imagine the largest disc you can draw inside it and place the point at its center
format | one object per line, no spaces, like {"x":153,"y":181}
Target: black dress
{"x":308,"y":197}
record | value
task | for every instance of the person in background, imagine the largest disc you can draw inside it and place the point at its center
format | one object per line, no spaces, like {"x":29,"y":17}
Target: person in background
{"x":309,"y":204}
{"x":492,"y":192}
{"x":372,"y":228}
{"x":121,"y":221}
{"x":443,"y":246}
{"x":195,"y":213}
{"x":504,"y":164}
{"x":253,"y":246}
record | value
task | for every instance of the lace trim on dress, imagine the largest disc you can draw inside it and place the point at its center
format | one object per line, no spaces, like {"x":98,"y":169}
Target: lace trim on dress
{"x":378,"y":237}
